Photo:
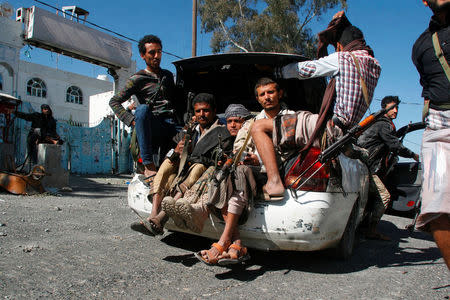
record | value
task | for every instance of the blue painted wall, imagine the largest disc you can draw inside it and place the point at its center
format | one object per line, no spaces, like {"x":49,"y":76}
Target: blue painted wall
{"x":103,"y":149}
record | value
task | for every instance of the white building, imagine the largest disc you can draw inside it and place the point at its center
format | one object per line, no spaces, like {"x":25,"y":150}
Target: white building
{"x":71,"y":96}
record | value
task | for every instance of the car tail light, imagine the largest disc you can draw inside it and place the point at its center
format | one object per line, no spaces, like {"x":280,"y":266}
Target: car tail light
{"x":318,"y":183}
{"x":410,"y":203}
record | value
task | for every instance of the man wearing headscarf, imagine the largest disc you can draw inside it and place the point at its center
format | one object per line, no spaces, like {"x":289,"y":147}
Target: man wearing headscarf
{"x":231,"y":197}
{"x":193,"y":209}
{"x":43,"y":129}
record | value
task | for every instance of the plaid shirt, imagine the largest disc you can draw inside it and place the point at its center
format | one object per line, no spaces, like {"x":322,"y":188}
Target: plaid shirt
{"x":350,"y":105}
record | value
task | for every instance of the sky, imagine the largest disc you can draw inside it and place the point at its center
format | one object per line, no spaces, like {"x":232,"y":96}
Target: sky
{"x":390,"y":27}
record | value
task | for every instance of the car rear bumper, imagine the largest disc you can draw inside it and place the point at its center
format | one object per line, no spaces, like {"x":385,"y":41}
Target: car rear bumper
{"x":312,"y":221}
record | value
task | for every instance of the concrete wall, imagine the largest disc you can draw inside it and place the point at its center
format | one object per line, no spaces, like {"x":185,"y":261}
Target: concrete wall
{"x":16,"y":73}
{"x":57,"y":82}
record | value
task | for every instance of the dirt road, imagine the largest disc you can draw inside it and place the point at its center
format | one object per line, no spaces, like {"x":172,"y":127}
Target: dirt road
{"x":81,"y":245}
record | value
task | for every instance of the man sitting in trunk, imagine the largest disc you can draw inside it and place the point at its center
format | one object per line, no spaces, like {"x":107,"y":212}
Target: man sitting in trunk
{"x":354,"y":72}
{"x":189,"y":160}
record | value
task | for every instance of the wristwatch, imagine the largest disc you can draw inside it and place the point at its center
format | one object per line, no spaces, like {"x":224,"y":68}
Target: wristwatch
{"x":172,"y":155}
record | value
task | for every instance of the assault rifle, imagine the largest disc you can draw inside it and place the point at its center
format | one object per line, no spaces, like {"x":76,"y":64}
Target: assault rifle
{"x":188,"y":133}
{"x":334,"y":150}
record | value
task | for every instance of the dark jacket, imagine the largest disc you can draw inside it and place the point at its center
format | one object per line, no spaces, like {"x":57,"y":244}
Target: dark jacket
{"x":157,"y":90}
{"x":380,"y":140}
{"x":45,"y":123}
{"x":204,"y":149}
{"x":436,"y":86}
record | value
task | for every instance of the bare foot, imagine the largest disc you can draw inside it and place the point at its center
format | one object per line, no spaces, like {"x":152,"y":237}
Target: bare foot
{"x":274,"y":189}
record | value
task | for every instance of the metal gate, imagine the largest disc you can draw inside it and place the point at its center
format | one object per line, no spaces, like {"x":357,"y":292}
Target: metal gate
{"x":103,"y":149}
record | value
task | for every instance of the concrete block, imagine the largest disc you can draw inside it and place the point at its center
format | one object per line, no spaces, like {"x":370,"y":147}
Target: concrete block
{"x":49,"y":156}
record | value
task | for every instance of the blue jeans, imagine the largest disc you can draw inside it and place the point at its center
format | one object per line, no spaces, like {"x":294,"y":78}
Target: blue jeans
{"x":152,"y":132}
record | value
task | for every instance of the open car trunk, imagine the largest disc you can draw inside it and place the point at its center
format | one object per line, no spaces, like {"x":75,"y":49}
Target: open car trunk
{"x":231,"y":78}
{"x":308,"y":220}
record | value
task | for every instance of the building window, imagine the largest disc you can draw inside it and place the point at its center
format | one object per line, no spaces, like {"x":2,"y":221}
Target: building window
{"x":36,"y":87}
{"x":74,"y":95}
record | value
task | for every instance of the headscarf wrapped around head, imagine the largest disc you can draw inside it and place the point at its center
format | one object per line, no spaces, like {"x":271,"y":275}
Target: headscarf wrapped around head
{"x":237,"y":110}
{"x":331,"y":35}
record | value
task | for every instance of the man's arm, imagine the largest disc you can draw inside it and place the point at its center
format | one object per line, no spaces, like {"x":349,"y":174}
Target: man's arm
{"x":25,"y":116}
{"x":325,"y":66}
{"x":393,"y":143}
{"x":116,"y":103}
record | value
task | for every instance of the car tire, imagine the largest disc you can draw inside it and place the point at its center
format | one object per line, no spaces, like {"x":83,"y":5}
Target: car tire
{"x":344,"y":249}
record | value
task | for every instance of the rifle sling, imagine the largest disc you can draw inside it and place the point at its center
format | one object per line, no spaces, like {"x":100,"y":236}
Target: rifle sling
{"x":440,"y":55}
{"x":361,"y":80}
{"x":237,"y":158}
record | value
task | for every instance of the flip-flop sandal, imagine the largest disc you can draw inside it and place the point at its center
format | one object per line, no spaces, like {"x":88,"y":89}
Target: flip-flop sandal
{"x":151,"y":225}
{"x":144,"y":222}
{"x":239,"y":259}
{"x":268,"y":197}
{"x":211,"y":260}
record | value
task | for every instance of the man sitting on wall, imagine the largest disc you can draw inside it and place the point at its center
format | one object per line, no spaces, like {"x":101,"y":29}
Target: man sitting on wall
{"x":42,"y":131}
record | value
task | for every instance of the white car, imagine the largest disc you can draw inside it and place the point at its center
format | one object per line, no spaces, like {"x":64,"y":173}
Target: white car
{"x":327,"y":210}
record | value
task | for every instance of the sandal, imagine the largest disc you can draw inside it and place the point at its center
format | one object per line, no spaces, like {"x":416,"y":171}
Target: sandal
{"x":235,"y":258}
{"x":153,"y":225}
{"x":211,"y":260}
{"x":268,"y":197}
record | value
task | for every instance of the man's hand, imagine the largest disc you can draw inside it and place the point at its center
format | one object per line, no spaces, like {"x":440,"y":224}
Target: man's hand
{"x":251,"y":160}
{"x":416,"y":157}
{"x":179,"y":148}
{"x":338,"y":14}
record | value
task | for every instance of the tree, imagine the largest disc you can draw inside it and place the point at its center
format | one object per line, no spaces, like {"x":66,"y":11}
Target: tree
{"x":266,"y":26}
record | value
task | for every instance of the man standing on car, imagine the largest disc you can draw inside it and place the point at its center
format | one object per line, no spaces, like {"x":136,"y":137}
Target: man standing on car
{"x":431,"y":55}
{"x":154,"y":116}
{"x":380,"y":140}
{"x":354,"y":72}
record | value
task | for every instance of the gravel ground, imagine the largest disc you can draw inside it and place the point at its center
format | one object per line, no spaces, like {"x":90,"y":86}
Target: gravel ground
{"x":82,"y":244}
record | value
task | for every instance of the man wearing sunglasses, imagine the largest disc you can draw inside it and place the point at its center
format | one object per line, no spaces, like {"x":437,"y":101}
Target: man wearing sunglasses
{"x":154,"y":116}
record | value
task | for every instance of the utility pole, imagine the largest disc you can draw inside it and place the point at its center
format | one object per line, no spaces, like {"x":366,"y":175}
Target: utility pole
{"x":194,"y":28}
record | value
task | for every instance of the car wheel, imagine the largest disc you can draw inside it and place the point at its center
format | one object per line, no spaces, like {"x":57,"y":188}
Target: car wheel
{"x":344,"y":250}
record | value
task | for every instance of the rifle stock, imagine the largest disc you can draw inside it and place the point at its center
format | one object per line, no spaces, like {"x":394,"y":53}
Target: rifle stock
{"x":354,"y":132}
{"x":333,"y":150}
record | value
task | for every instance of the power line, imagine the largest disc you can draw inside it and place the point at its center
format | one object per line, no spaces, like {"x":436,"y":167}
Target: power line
{"x":403,"y":102}
{"x":106,"y":29}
